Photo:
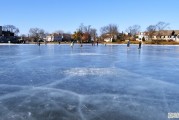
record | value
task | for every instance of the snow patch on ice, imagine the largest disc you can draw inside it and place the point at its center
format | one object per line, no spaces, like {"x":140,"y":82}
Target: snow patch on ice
{"x":89,"y":71}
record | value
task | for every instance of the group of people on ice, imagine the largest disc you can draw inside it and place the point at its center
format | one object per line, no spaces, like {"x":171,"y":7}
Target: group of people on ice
{"x":128,"y":44}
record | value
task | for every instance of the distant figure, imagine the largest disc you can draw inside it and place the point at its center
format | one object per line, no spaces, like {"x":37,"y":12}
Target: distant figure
{"x":81,"y":45}
{"x":72,"y":44}
{"x":45,"y":42}
{"x":59,"y":42}
{"x":140,"y":45}
{"x":128,"y":43}
{"x":39,"y":43}
{"x":92,"y":43}
{"x":97,"y":42}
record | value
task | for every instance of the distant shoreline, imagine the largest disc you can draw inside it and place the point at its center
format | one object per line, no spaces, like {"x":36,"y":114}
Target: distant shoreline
{"x":176,"y":44}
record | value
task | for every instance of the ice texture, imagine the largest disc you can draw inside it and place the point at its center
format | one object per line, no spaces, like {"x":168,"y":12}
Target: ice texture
{"x":113,"y":82}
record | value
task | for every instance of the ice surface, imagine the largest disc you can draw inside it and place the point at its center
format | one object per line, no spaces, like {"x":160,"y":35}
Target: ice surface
{"x":56,"y":82}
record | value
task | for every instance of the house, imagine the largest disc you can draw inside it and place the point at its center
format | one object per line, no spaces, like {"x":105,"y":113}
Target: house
{"x":6,"y":33}
{"x":7,"y":36}
{"x":54,"y":37}
{"x":177,"y":38}
{"x":142,"y":35}
{"x":67,"y":37}
{"x":160,"y":35}
{"x":167,"y":35}
{"x":108,"y":38}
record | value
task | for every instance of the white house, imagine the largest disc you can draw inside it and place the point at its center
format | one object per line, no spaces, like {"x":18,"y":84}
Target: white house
{"x":108,"y":39}
{"x":54,"y":37}
{"x":177,"y":38}
{"x":170,"y":35}
{"x":142,"y":35}
{"x":161,"y":35}
{"x":166,"y":35}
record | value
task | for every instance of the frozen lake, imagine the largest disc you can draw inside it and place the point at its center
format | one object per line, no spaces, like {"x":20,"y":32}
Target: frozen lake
{"x":56,"y":82}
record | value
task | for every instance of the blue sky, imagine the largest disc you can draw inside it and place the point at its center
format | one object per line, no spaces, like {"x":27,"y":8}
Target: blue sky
{"x":67,"y":15}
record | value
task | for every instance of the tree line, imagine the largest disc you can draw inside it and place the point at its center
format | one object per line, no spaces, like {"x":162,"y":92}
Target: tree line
{"x":86,"y":33}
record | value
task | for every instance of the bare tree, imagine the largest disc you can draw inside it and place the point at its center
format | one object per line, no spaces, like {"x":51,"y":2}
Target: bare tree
{"x":37,"y":33}
{"x":160,"y":27}
{"x":11,"y":28}
{"x":151,"y":29}
{"x":93,"y":33}
{"x":85,"y":33}
{"x":133,"y":30}
{"x":85,"y":29}
{"x":111,"y":29}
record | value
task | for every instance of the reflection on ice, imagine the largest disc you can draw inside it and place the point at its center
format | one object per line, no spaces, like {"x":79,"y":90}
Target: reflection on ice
{"x":41,"y":85}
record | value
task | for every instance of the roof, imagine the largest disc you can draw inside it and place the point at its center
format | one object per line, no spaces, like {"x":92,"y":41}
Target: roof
{"x":165,"y":32}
